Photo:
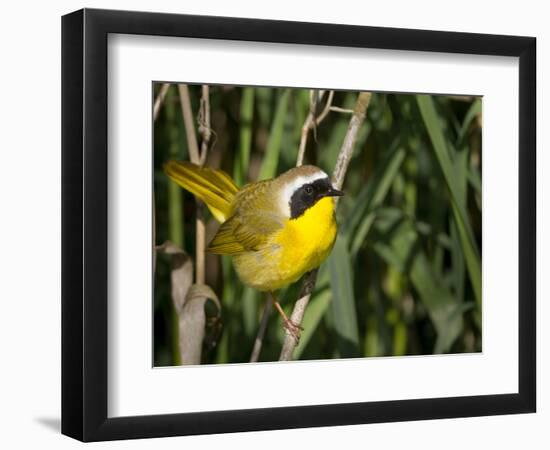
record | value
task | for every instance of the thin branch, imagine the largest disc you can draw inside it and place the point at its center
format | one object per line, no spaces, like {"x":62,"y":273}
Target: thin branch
{"x":312,"y":121}
{"x":160,"y":99}
{"x":204,"y":122}
{"x":298,"y":312}
{"x":326,"y":110}
{"x":185,"y":102}
{"x":303,"y":139}
{"x":346,"y":151}
{"x":338,"y":175}
{"x":268,"y":306}
{"x":205,"y":132}
{"x":341,"y":110}
{"x":197,"y":158}
{"x":200,"y":249}
{"x":194,"y":339}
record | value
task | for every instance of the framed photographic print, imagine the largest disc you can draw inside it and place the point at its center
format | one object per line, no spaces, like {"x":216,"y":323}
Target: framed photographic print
{"x":276,"y":224}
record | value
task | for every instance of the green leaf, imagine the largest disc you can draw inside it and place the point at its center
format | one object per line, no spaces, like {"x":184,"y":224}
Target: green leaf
{"x":400,"y":339}
{"x":469,"y":246}
{"x":471,"y":114}
{"x":175,"y":193}
{"x":343,"y":300}
{"x":249,"y":303}
{"x":228,"y":300}
{"x":403,"y":251}
{"x":242,"y":157}
{"x":268,"y":168}
{"x":371,"y":197}
{"x":461,"y":157}
{"x":474,"y":178}
{"x":264,"y":96}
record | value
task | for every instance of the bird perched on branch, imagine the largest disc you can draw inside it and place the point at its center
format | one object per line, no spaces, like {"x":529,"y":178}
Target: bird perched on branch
{"x":275,"y":230}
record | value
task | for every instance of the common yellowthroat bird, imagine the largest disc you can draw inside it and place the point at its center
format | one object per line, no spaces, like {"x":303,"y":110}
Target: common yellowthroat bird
{"x":275,"y":230}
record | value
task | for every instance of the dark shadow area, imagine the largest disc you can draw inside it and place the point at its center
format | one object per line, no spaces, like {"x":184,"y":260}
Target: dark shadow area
{"x":53,"y":423}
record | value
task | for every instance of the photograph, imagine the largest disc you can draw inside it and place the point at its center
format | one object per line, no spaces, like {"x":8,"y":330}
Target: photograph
{"x":314,"y":224}
{"x":268,"y":226}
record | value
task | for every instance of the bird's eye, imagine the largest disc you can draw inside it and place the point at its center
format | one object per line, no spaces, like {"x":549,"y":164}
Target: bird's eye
{"x":308,"y":190}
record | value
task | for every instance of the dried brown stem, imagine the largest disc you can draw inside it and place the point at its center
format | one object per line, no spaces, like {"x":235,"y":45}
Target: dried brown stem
{"x":341,"y":110}
{"x":342,"y":163}
{"x":204,"y":122}
{"x":346,"y":151}
{"x":160,"y":99}
{"x":326,"y":110}
{"x":194,"y":339}
{"x":205,"y":132}
{"x":185,"y":102}
{"x":200,"y":260}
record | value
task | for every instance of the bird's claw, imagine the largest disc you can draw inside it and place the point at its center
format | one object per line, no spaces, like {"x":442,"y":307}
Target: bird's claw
{"x":293,"y":329}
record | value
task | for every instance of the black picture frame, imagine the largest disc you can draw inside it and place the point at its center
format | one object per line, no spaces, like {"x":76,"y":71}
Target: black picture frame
{"x":84,"y":224}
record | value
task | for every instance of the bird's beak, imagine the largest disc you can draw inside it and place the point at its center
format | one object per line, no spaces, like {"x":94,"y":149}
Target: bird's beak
{"x":332,"y":192}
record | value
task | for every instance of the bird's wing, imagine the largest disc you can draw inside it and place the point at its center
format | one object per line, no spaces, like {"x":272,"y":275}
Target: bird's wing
{"x":214,"y":187}
{"x":251,"y":225}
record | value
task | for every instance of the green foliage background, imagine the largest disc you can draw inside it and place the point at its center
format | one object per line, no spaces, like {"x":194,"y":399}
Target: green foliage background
{"x":404,"y":277}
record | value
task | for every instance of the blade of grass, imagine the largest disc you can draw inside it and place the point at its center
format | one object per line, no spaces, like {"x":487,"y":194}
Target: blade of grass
{"x":249,"y":305}
{"x":175,"y":194}
{"x":400,"y":339}
{"x":377,"y":186}
{"x":268,"y":168}
{"x":343,"y":303}
{"x":371,"y":198}
{"x":457,"y":258}
{"x":469,"y":246}
{"x":473,"y":175}
{"x":301,"y":107}
{"x":265,"y":105}
{"x":471,"y":114}
{"x":228,"y":296}
{"x":242,"y":157}
{"x":474,"y":178}
{"x":287,"y":155}
{"x":371,"y":345}
{"x":461,"y":171}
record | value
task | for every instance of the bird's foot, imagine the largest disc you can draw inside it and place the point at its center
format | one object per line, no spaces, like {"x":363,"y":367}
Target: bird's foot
{"x":293,"y":329}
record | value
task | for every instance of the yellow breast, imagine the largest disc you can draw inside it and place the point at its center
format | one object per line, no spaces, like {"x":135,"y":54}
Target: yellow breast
{"x":301,"y":245}
{"x":307,"y":240}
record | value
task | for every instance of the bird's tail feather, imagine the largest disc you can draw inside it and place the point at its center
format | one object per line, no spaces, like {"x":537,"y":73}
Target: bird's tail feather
{"x":213,"y":187}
